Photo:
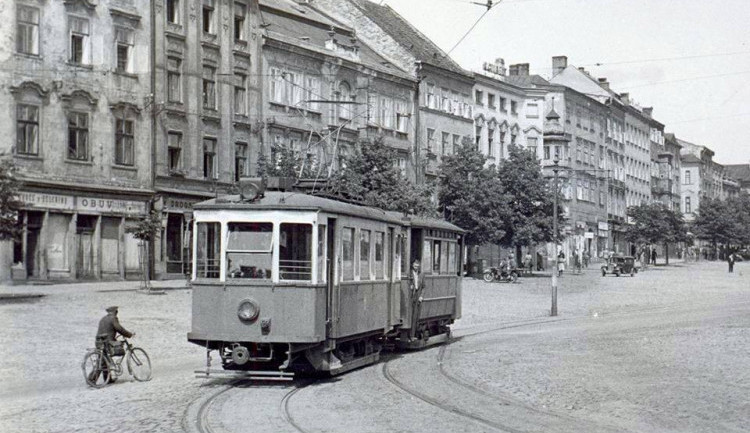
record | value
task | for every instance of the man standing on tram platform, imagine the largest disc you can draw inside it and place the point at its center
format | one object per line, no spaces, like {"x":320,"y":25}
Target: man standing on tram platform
{"x":416,"y":287}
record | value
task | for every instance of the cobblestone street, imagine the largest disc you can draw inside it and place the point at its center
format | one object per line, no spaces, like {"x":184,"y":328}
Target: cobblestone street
{"x":663,"y":351}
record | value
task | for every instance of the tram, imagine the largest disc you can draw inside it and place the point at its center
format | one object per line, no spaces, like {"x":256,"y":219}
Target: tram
{"x":286,"y":282}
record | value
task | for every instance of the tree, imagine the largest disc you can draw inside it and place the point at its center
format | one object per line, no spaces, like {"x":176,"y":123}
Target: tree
{"x":369,"y":176}
{"x":472,"y":197}
{"x":716,"y":222}
{"x":10,"y":226}
{"x":530,"y":199}
{"x":653,"y":224}
{"x":146,"y":230}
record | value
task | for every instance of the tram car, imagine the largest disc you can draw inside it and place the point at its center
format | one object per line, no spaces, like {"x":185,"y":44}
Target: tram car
{"x":289,"y":282}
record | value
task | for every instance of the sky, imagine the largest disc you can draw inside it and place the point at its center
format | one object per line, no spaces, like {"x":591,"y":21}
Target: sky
{"x":689,"y":59}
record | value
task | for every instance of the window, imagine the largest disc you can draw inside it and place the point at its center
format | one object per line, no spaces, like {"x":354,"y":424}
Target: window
{"x":379,"y":255}
{"x":687,"y":177}
{"x":293,"y":84}
{"x":210,"y":170}
{"x":322,"y":253}
{"x":402,"y":165}
{"x":479,"y":97}
{"x":249,"y":250}
{"x":79,"y":40}
{"x":532,"y":110}
{"x":78,"y":136}
{"x":208,"y":17}
{"x":209,"y":87}
{"x":124,"y":139}
{"x":240,"y":91}
{"x":27,"y":129}
{"x":531,"y":143}
{"x":240,"y":161}
{"x":513,"y":107}
{"x":456,"y":142}
{"x":27,"y":26}
{"x":436,"y":254}
{"x":173,"y":11}
{"x":364,"y":255}
{"x":402,"y":116}
{"x":491,"y":100}
{"x":347,"y":254}
{"x":427,"y":256}
{"x":124,"y":49}
{"x":239,"y":21}
{"x":547,"y":152}
{"x":444,"y":143}
{"x":398,"y":258}
{"x":431,"y":99}
{"x":444,"y":100}
{"x":295,"y":252}
{"x":345,"y":95}
{"x":687,"y":205}
{"x":490,"y":139}
{"x":207,"y":254}
{"x":430,"y":138}
{"x":276,"y":86}
{"x":501,"y":105}
{"x":478,"y":137}
{"x":312,"y":92}
{"x":174,"y":148}
{"x":174,"y":79}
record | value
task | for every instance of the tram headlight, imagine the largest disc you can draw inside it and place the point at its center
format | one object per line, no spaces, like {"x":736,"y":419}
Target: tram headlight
{"x":248,"y":310}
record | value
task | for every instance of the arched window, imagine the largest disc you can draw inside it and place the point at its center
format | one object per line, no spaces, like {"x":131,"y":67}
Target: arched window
{"x":346,"y":108}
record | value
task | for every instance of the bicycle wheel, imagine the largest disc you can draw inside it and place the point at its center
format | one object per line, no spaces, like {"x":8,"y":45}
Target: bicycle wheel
{"x":139,"y":364}
{"x":97,"y":370}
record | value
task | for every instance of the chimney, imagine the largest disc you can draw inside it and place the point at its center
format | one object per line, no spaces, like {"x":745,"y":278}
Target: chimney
{"x":604,"y":83}
{"x":558,"y":64}
{"x":625,"y":97}
{"x":648,"y":111}
{"x":520,"y":69}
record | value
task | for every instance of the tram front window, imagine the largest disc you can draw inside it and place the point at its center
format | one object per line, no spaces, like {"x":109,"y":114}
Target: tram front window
{"x":295,"y":252}
{"x":249,"y":250}
{"x":207,"y":254}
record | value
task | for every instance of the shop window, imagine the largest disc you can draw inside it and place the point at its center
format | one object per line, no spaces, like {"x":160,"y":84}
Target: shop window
{"x":295,"y":252}
{"x":174,"y":236}
{"x":249,"y":250}
{"x":207,"y":253}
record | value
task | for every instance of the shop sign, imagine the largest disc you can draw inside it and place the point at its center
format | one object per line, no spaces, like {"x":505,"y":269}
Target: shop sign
{"x":588,"y":235}
{"x":603,"y":226}
{"x":178,"y":205}
{"x":128,"y":207}
{"x":47,"y":201}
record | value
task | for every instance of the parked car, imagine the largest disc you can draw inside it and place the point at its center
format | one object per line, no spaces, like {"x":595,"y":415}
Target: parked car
{"x":619,"y":265}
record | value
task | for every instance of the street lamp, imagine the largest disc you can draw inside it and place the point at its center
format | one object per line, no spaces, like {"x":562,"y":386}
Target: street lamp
{"x":555,"y":170}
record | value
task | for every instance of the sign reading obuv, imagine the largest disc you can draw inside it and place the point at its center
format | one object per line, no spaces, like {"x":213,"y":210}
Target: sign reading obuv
{"x":82,"y":204}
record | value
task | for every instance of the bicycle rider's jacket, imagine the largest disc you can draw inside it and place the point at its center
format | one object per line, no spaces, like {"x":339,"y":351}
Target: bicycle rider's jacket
{"x":109,"y":326}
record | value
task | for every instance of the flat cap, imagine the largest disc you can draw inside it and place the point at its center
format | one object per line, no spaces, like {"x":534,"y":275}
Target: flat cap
{"x":112,"y":309}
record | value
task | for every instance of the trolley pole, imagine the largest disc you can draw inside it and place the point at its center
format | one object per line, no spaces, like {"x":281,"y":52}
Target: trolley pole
{"x":553,"y":310}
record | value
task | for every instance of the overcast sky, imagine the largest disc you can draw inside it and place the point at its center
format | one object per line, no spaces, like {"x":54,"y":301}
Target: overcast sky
{"x":689,"y":59}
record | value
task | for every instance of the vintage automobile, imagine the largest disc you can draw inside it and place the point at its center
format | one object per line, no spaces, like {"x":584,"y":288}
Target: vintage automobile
{"x":619,"y":265}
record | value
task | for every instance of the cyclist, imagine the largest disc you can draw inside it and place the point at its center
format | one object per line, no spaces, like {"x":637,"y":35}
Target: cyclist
{"x":106,"y":335}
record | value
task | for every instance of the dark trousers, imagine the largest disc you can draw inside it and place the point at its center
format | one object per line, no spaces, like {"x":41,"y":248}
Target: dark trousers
{"x":731,"y":266}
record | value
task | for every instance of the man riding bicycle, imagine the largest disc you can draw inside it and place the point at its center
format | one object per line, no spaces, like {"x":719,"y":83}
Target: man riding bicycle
{"x":106,"y":335}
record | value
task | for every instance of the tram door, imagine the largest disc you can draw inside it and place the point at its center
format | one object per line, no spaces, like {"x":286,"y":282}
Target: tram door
{"x":330,"y":271}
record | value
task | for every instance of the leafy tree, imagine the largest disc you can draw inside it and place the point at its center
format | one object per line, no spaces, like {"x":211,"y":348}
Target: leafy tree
{"x":653,"y":224}
{"x":146,"y":230}
{"x":10,"y":227}
{"x":284,"y":161}
{"x":530,"y":199}
{"x":472,"y":197}
{"x":370,"y":177}
{"x":716,"y":222}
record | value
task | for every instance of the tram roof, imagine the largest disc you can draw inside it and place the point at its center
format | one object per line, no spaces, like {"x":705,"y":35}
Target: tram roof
{"x":276,"y":200}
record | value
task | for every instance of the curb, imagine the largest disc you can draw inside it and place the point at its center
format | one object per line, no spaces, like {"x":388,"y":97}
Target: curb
{"x":20,"y":296}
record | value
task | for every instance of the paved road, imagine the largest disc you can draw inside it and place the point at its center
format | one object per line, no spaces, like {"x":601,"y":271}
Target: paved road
{"x":664,"y":351}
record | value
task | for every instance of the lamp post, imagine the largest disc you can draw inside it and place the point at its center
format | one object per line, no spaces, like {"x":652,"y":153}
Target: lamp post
{"x":555,"y":170}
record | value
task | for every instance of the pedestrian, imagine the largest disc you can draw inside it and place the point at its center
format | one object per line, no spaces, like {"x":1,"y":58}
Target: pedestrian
{"x":653,"y":256}
{"x":730,"y":260}
{"x":528,"y":262}
{"x":539,"y":261}
{"x":560,"y":263}
{"x":577,"y":261}
{"x":416,"y":287}
{"x":586,"y":258}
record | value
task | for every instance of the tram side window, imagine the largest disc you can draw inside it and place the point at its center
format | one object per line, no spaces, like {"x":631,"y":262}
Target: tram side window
{"x":364,"y":255}
{"x":444,"y":258}
{"x":347,"y":253}
{"x":398,"y":258}
{"x":436,"y":254}
{"x":207,"y":253}
{"x":379,"y":244}
{"x":452,"y":258}
{"x":427,"y":256}
{"x":249,"y":250}
{"x":322,"y":251}
{"x":295,"y":252}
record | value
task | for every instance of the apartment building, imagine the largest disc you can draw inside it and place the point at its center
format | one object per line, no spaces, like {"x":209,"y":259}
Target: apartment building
{"x":665,"y":173}
{"x":75,"y":85}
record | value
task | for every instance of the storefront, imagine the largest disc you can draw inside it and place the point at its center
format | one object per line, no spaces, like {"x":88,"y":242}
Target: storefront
{"x":77,"y":236}
{"x":175,"y":247}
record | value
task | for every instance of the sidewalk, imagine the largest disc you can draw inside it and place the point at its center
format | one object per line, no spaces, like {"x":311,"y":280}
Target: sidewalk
{"x":20,"y":291}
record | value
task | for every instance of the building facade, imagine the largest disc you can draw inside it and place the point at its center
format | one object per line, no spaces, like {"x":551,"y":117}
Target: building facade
{"x":701,"y":177}
{"x":75,"y":82}
{"x":665,"y":172}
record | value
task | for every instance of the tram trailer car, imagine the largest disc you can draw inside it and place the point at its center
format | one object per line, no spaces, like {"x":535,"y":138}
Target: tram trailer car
{"x":292,"y":282}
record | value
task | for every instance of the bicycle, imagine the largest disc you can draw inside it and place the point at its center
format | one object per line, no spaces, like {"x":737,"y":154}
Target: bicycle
{"x":100,"y":368}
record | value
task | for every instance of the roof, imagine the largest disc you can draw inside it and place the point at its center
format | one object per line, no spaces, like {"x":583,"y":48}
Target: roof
{"x":739,"y":172}
{"x":302,"y":25}
{"x":526,"y":80}
{"x":408,"y":36}
{"x":295,"y":201}
{"x":690,"y":158}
